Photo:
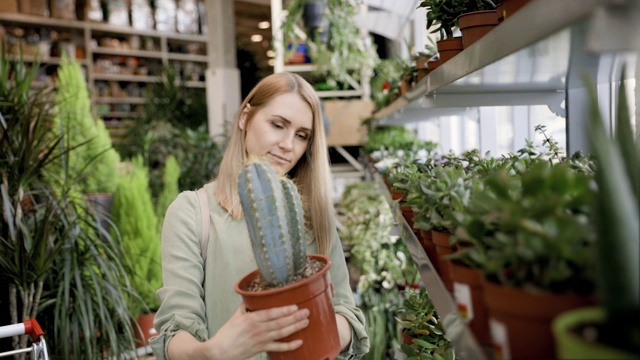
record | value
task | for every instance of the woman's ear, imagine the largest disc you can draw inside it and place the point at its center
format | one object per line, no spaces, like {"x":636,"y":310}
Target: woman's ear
{"x":242,"y":122}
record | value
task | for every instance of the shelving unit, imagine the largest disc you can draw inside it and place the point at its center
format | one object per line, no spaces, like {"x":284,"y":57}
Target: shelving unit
{"x":166,"y":49}
{"x":536,"y":57}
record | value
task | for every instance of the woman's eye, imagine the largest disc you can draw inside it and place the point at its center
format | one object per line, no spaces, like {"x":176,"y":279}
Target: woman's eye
{"x":303,"y":136}
{"x":277,"y":126}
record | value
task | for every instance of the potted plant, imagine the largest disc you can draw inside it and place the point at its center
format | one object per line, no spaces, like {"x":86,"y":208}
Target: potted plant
{"x":477,"y":20}
{"x":346,"y":55}
{"x":617,"y":209}
{"x":275,"y":219}
{"x":531,"y":238}
{"x":444,"y":14}
{"x":422,"y":332}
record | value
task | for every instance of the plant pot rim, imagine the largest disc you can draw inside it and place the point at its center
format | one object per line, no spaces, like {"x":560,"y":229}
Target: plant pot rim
{"x":270,"y":292}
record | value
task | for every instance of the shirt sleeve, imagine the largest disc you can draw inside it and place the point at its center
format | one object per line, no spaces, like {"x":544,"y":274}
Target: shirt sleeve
{"x":182,"y":295}
{"x":344,"y":304}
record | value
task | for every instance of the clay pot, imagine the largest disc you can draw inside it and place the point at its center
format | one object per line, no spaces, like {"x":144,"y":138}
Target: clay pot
{"x":449,"y":48}
{"x":518,"y":319}
{"x":313,"y":293}
{"x":475,"y":25}
{"x":144,"y":329}
{"x":468,"y":294}
{"x":443,"y":248}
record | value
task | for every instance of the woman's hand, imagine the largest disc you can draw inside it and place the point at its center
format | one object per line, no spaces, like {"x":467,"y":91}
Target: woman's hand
{"x":246,"y":334}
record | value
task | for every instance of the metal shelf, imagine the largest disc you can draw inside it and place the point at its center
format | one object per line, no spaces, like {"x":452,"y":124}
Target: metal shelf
{"x":464,"y":342}
{"x":525,"y":60}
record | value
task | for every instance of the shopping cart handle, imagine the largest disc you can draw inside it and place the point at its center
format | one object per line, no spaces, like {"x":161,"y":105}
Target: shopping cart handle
{"x":32,"y":328}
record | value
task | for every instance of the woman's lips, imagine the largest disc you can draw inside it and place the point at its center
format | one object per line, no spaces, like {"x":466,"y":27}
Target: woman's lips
{"x":279,"y":159}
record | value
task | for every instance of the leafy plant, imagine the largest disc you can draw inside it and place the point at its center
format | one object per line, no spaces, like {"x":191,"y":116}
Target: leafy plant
{"x":275,"y":219}
{"x":170,"y":187}
{"x":532,"y":229}
{"x":55,"y":261}
{"x":418,"y":319}
{"x":196,"y":169}
{"x":444,"y":14}
{"x":616,"y":214}
{"x":94,"y":164}
{"x":137,"y":224}
{"x":346,"y":54}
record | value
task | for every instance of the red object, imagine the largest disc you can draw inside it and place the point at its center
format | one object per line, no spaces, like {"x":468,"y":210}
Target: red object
{"x":313,"y":293}
{"x":32,"y":328}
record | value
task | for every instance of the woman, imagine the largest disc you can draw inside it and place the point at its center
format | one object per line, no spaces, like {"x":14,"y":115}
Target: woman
{"x":201,"y":317}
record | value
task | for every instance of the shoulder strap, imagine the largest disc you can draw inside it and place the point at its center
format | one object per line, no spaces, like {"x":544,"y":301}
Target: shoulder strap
{"x":205,"y":223}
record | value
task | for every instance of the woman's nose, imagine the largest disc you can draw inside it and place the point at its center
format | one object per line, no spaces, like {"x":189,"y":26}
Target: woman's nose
{"x":287,"y":142}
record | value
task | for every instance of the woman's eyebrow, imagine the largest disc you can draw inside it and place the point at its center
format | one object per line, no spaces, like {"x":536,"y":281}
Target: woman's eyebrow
{"x":289,"y":121}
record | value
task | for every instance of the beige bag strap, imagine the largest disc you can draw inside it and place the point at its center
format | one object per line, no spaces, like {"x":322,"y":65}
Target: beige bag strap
{"x":205,"y":224}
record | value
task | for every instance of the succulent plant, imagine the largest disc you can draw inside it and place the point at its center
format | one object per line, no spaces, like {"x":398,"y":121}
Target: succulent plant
{"x":273,"y":211}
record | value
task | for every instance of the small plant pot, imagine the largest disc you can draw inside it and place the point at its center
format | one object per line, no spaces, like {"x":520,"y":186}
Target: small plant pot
{"x":571,"y":345}
{"x":449,"y":48}
{"x":519,"y":318}
{"x":443,"y":248}
{"x":320,"y":337}
{"x":475,"y":25}
{"x":144,"y":329}
{"x":468,"y":294}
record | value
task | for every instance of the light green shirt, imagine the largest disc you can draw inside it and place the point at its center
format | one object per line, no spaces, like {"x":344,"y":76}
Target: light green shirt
{"x":200,"y":298}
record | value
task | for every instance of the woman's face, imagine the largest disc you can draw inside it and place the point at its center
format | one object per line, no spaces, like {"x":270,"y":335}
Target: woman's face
{"x":280,"y":131}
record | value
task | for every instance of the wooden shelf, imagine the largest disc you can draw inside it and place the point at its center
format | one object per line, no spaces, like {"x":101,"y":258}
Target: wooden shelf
{"x":129,"y":53}
{"x":115,"y":100}
{"x":128,"y":78}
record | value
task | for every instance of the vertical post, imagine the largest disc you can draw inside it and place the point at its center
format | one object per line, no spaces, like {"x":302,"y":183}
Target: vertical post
{"x":222,"y":76}
{"x":276,"y":31}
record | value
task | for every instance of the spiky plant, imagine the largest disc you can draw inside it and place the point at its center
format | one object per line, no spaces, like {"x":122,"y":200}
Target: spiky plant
{"x":273,"y":211}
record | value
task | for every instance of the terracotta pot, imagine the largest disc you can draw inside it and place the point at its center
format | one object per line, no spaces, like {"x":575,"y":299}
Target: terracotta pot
{"x":468,"y":294}
{"x":499,"y":14}
{"x":518,"y":319}
{"x":443,"y":248}
{"x":430,"y":248}
{"x":475,"y":25}
{"x":433,"y":64}
{"x":449,"y":48}
{"x":144,"y":329}
{"x":313,"y":293}
{"x":408,"y":214}
{"x":511,"y":6}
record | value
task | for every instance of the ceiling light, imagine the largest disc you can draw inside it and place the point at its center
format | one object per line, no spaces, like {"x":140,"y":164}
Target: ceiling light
{"x":256,"y":37}
{"x":263,"y":25}
{"x":271,"y":53}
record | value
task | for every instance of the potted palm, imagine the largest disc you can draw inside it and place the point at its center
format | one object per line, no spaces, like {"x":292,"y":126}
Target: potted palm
{"x":616,"y":211}
{"x":285,"y":275}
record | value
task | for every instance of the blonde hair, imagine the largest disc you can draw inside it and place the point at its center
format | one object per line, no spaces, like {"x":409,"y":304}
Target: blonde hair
{"x":311,"y":174}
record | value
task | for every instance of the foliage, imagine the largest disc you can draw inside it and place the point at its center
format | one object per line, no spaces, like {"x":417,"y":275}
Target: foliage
{"x":418,"y":319}
{"x":346,"y":54}
{"x":617,"y":210}
{"x":532,"y":229}
{"x":274,"y":215}
{"x":445,"y":13}
{"x":385,"y":81}
{"x":56,"y":261}
{"x":93,"y":165}
{"x":382,"y":261}
{"x":200,"y":158}
{"x":136,"y":221}
{"x":170,"y":187}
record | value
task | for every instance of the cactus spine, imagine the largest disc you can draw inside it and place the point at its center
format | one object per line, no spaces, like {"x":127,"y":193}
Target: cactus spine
{"x":273,"y":211}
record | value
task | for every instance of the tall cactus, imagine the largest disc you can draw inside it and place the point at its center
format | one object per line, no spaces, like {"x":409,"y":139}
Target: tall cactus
{"x":273,"y":211}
